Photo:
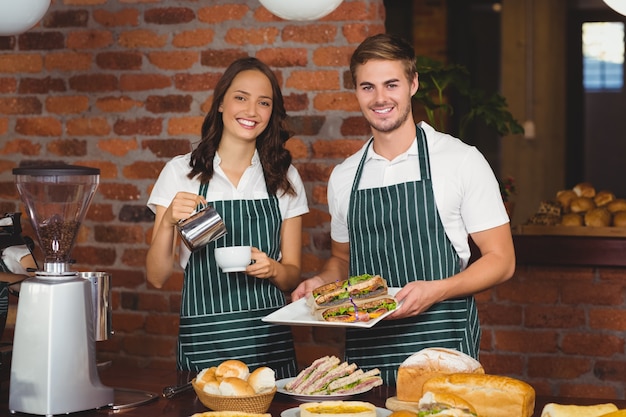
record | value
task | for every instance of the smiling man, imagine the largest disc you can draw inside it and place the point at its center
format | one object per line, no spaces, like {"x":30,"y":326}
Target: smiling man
{"x":403,"y":207}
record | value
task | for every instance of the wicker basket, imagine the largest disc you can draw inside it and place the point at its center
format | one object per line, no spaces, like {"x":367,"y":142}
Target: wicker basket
{"x":259,"y":403}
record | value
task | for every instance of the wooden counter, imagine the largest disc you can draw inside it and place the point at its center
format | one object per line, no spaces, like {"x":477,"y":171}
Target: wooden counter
{"x":186,"y":403}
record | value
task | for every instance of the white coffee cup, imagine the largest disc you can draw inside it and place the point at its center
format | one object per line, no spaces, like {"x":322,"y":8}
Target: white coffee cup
{"x":233,"y":258}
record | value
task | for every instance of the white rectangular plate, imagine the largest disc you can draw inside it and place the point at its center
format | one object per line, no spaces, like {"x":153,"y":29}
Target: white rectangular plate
{"x":299,"y":314}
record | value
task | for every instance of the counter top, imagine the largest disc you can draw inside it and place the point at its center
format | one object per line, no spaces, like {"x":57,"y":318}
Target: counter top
{"x":186,"y":403}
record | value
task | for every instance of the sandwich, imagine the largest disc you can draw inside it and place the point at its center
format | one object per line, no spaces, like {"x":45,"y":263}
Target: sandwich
{"x":355,"y":311}
{"x":354,"y":288}
{"x":328,"y":375}
{"x":444,"y":405}
{"x":572,"y":410}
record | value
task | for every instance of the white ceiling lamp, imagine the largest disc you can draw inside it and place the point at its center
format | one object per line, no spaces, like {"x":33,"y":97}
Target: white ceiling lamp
{"x":618,"y":5}
{"x":17,"y":16}
{"x":300,"y":10}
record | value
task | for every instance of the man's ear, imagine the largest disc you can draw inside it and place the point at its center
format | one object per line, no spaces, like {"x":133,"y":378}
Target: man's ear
{"x":415,"y":84}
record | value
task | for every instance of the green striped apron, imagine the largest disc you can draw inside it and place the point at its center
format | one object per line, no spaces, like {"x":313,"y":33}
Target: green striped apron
{"x":221,"y":312}
{"x":396,"y":232}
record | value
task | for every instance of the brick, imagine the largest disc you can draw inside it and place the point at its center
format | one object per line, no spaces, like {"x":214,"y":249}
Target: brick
{"x":67,"y":104}
{"x":610,"y":370}
{"x":89,"y":39}
{"x":557,"y":367}
{"x":241,"y":37}
{"x":296,"y":102}
{"x":135,"y":257}
{"x":315,"y":171}
{"x":313,"y":80}
{"x":221,"y":58}
{"x":67,"y":147}
{"x":4,"y":125}
{"x":297,"y":148}
{"x":93,"y":83}
{"x":142,"y":38}
{"x":546,"y":292}
{"x":284,"y":57}
{"x":117,"y":104}
{"x":336,"y":149}
{"x":502,"y":364}
{"x":591,"y":293}
{"x":153,"y":302}
{"x":166,"y":148}
{"x":90,"y":255}
{"x":306,"y":125}
{"x":355,"y":126}
{"x":315,"y":217}
{"x":7,"y":85}
{"x":142,"y":126}
{"x":66,"y":18}
{"x":261,"y":14}
{"x":313,"y":34}
{"x":586,"y":344}
{"x":169,"y":104}
{"x":118,"y":146}
{"x":177,"y":60}
{"x":127,"y":278}
{"x":185,"y":125}
{"x":39,"y":126}
{"x":607,"y":318}
{"x":20,"y":105}
{"x":559,"y":317}
{"x":23,"y":63}
{"x":525,"y":341}
{"x":119,"y":60}
{"x":124,"y":17}
{"x":169,"y":15}
{"x":40,"y":41}
{"x":575,"y":390}
{"x":336,"y":101}
{"x":136,"y":214}
{"x":196,"y":82}
{"x":68,"y":61}
{"x":354,"y":10}
{"x":100,"y":212}
{"x":128,"y":322}
{"x":355,"y":33}
{"x":41,"y":85}
{"x":7,"y":43}
{"x":319,"y":195}
{"x":19,"y":146}
{"x":142,"y":82}
{"x":222,"y":13}
{"x":193,"y":38}
{"x":332,"y":56}
{"x":120,"y":191}
{"x":142,"y":170}
{"x":497,"y":314}
{"x":118,"y":234}
{"x":94,"y":126}
{"x":108,"y":169}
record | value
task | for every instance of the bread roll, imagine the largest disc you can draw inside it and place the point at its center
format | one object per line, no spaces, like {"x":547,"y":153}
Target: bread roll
{"x":581,"y":204}
{"x":235,"y":387}
{"x":232,"y":368}
{"x":491,"y":395}
{"x":338,"y":409}
{"x":584,"y":189}
{"x":616,"y":205}
{"x":207,"y":374}
{"x":561,"y":410}
{"x":598,"y":217}
{"x":619,"y":219}
{"x":571,"y":219}
{"x":262,"y":379}
{"x":564,"y":198}
{"x":429,"y":362}
{"x":603,"y":198}
{"x":618,"y":413}
{"x":212,"y":387}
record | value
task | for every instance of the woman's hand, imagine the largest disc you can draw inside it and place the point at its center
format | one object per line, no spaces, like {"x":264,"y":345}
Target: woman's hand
{"x":182,"y":206}
{"x":262,"y":266}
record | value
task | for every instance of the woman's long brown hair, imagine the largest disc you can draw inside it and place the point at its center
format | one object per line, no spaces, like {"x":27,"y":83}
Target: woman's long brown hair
{"x":270,"y":144}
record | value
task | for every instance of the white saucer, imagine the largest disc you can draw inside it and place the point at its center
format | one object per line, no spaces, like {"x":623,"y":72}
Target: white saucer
{"x":234,"y":269}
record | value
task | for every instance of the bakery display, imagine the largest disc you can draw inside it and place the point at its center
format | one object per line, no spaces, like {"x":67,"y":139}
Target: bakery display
{"x":337,"y":409}
{"x":491,"y":395}
{"x":328,"y":375}
{"x":428,"y":363}
{"x":566,"y":410}
{"x":581,"y":206}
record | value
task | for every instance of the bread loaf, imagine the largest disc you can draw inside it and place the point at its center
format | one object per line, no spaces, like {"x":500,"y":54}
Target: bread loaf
{"x":232,"y":368}
{"x":563,"y":410}
{"x":262,"y":379}
{"x":491,"y":395}
{"x":617,"y":205}
{"x":427,"y":363}
{"x":598,"y":217}
{"x":571,"y":219}
{"x":619,"y":219}
{"x":603,"y":198}
{"x":564,"y":198}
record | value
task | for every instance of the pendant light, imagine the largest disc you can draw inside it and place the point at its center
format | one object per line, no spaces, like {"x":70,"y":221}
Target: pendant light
{"x":300,"y":10}
{"x":17,"y":16}
{"x":618,"y":5}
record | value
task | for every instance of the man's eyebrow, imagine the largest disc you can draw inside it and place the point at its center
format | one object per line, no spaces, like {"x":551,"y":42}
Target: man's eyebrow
{"x":387,"y":82}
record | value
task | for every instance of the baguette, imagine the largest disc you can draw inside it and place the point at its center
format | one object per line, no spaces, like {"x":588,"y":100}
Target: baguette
{"x":491,"y":395}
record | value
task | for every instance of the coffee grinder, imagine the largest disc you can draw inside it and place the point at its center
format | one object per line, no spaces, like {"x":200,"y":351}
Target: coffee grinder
{"x":53,"y":367}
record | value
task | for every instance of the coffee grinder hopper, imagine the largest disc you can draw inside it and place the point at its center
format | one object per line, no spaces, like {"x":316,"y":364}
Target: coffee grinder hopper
{"x":53,"y":367}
